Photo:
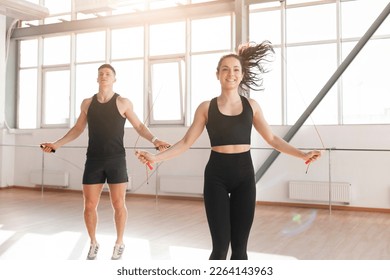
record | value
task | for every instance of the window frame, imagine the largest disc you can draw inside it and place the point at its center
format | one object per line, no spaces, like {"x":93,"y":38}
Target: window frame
{"x":50,"y":69}
{"x":153,"y":99}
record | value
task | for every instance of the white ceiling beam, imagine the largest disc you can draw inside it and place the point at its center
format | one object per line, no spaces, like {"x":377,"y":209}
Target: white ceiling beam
{"x":23,"y":10}
{"x":134,"y":19}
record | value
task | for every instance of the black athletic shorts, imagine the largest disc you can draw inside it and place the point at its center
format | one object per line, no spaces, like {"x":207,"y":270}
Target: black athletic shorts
{"x":99,"y":171}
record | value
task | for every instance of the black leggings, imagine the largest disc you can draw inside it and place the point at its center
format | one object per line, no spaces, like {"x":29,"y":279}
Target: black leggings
{"x":229,"y":197}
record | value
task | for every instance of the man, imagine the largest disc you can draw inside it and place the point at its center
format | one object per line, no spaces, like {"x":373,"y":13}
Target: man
{"x":105,"y":113}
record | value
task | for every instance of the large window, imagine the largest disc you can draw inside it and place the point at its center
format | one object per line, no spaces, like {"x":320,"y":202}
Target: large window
{"x":357,"y":17}
{"x":28,"y":99}
{"x":311,"y":23}
{"x":311,"y":43}
{"x":130,"y":84}
{"x":270,"y":98}
{"x":86,"y":83}
{"x":28,"y":84}
{"x":154,"y":76}
{"x":308,"y":68}
{"x":266,"y":26}
{"x":204,"y":82}
{"x":366,"y":90}
{"x":211,"y":34}
{"x":52,"y":47}
{"x":56,"y":83}
{"x":210,"y":39}
{"x":167,"y":68}
{"x":127,"y":55}
{"x":91,"y":46}
{"x":56,"y":86}
{"x":167,"y":77}
{"x":168,"y":38}
{"x":166,"y":91}
{"x":127,"y":43}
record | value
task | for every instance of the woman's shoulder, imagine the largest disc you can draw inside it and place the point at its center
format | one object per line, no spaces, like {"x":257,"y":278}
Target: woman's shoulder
{"x":205,"y":103}
{"x":251,"y":101}
{"x":204,"y":106}
{"x":254,"y":104}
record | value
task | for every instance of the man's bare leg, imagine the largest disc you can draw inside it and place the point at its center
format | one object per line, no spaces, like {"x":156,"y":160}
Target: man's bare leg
{"x":118,"y":202}
{"x":118,"y":197}
{"x":91,"y":201}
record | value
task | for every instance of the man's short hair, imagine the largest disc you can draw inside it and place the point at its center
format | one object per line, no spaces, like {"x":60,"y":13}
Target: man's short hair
{"x":106,"y":65}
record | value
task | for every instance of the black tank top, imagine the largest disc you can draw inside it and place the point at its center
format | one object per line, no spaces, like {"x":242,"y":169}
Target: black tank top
{"x":105,"y":129}
{"x":229,"y":130}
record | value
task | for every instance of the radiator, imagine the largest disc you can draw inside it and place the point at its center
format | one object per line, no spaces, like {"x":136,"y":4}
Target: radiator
{"x":319,"y":191}
{"x":56,"y":178}
{"x":181,"y":184}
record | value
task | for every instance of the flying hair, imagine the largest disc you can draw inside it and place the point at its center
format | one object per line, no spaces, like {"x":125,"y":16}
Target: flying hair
{"x":253,"y":58}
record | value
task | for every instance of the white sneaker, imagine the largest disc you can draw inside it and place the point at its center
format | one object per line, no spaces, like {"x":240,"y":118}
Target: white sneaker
{"x":93,"y":250}
{"x":118,"y":251}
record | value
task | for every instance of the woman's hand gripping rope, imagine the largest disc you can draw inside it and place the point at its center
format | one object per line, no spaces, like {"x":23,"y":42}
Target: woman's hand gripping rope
{"x":160,"y":146}
{"x":146,"y":158}
{"x":310,"y":157}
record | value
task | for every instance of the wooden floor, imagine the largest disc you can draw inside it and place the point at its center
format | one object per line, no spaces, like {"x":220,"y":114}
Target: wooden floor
{"x":49,"y":225}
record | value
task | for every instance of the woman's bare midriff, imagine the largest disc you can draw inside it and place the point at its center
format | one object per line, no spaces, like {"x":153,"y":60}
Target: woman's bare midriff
{"x":231,"y":149}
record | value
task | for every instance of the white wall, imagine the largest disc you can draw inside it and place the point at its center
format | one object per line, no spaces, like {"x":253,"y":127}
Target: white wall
{"x":366,"y":171}
{"x":6,"y":155}
{"x":3,"y":31}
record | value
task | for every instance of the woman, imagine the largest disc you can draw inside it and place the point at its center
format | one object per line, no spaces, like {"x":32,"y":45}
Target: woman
{"x":229,"y":179}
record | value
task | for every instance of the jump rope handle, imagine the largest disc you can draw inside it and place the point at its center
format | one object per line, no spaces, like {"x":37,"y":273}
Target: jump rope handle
{"x":52,"y":151}
{"x":149,"y":165}
{"x":308,"y":161}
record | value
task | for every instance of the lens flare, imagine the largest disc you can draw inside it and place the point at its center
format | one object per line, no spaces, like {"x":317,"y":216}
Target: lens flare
{"x":299,"y":223}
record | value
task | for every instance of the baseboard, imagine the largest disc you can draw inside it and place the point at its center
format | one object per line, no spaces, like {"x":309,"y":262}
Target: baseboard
{"x":128,"y":194}
{"x":324,"y":206}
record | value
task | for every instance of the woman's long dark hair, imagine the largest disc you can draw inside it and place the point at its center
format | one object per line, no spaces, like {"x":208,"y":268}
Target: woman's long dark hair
{"x":252,"y":58}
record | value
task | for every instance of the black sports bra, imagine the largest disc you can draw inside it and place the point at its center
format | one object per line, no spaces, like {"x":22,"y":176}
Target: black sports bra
{"x":229,"y":130}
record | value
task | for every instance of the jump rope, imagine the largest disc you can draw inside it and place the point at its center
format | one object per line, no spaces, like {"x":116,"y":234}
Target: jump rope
{"x":298,"y":227}
{"x":309,"y":161}
{"x":149,"y":167}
